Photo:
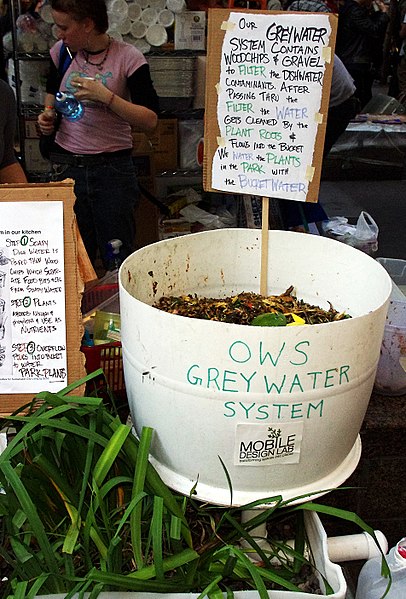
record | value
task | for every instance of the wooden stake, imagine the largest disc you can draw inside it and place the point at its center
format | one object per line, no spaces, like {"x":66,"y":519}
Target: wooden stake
{"x":263,"y":282}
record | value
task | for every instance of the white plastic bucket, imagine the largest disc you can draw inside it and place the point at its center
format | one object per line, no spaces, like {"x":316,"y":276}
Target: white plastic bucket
{"x":279,"y":408}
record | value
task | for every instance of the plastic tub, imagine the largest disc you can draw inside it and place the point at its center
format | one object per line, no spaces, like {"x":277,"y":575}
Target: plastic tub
{"x":280,"y":408}
{"x":326,"y":570}
{"x":391,"y":372}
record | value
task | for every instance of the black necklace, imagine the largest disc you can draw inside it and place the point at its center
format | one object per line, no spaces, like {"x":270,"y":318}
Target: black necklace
{"x":100,"y":64}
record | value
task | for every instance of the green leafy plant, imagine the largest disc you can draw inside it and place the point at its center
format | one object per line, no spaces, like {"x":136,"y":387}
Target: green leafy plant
{"x":83,"y":510}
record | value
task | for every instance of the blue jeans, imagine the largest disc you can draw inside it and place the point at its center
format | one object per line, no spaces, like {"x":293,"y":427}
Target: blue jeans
{"x":106,"y":197}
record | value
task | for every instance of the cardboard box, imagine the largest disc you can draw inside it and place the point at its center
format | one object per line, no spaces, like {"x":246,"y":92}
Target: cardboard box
{"x":163,"y":143}
{"x":146,"y":222}
{"x":31,"y":130}
{"x":173,"y":227}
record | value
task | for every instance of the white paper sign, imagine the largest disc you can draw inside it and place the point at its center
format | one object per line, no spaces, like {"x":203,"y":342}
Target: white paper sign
{"x":269,"y":100}
{"x":33,"y":355}
{"x":260,"y":444}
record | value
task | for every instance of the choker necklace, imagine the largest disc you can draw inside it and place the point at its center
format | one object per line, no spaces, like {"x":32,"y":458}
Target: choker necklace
{"x":100,"y":64}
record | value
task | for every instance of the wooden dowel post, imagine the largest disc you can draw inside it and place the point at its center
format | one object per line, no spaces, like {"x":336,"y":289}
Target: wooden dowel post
{"x":263,"y":282}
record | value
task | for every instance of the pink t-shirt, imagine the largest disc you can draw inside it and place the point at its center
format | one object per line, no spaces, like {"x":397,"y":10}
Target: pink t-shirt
{"x":100,"y":129}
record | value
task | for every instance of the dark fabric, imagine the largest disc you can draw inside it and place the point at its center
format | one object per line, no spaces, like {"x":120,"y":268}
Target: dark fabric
{"x":337,"y":121}
{"x":359,"y":43}
{"x":8,"y":119}
{"x":99,"y":218}
{"x":358,"y":34}
{"x":363,"y":76}
{"x":47,"y":142}
{"x":81,"y":160}
{"x":142,"y":90}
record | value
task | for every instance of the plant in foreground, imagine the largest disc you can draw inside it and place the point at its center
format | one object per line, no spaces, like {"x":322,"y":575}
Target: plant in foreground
{"x":83,"y":510}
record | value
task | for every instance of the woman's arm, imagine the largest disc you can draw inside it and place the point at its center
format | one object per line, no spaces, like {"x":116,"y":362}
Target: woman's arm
{"x":10,"y":170}
{"x":140,"y":112}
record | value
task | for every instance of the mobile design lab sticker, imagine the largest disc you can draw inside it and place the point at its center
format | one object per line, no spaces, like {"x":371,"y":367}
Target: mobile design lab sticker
{"x":260,"y":444}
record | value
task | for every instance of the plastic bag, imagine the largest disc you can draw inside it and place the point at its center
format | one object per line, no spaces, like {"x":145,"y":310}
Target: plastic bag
{"x":362,"y":236}
{"x":222,"y":219}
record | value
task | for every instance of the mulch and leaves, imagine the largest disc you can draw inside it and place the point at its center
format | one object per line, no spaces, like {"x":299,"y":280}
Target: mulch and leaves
{"x":251,"y":309}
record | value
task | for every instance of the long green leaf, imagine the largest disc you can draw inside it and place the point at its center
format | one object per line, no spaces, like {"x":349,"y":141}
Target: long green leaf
{"x":156,"y":484}
{"x":134,"y":501}
{"x":169,"y":563}
{"x":109,"y":454}
{"x":212,"y":589}
{"x":138,"y":487}
{"x":156,"y":529}
{"x":75,"y":384}
{"x":37,"y":526}
{"x":36,"y":587}
{"x":130,"y":583}
{"x":253,"y":570}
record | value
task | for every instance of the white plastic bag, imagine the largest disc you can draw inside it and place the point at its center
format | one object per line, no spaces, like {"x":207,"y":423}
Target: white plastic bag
{"x":362,"y":236}
{"x":222,"y":219}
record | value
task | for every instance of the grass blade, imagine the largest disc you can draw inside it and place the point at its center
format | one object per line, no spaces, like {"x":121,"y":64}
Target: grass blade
{"x":109,"y":454}
{"x":156,"y":530}
{"x":138,"y":488}
{"x":32,"y":515}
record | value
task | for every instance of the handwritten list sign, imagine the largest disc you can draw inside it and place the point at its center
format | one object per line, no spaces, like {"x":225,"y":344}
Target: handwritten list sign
{"x":32,"y":297}
{"x":267,"y":95}
{"x":40,"y":293}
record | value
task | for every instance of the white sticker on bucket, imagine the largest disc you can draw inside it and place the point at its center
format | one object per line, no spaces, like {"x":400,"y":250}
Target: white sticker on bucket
{"x":260,"y":444}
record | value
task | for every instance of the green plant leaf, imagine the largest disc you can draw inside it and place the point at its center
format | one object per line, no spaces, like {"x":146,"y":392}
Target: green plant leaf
{"x":109,"y":454}
{"x":156,"y":533}
{"x":269,"y":319}
{"x":32,"y":515}
{"x":138,"y":488}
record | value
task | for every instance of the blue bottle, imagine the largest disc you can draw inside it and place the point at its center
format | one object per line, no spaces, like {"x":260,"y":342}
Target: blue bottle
{"x":69,"y":106}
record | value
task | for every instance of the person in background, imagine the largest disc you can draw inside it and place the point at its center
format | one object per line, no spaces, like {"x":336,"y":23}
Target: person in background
{"x":343,"y":106}
{"x":401,"y":68}
{"x":307,"y":6}
{"x":10,"y":169}
{"x":112,"y":80}
{"x":361,"y":30}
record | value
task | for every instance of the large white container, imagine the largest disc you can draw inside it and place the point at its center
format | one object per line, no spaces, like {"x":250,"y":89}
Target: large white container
{"x":279,"y":408}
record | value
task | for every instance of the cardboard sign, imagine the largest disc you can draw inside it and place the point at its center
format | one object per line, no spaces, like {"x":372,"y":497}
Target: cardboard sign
{"x":40,"y":292}
{"x":267,"y":93}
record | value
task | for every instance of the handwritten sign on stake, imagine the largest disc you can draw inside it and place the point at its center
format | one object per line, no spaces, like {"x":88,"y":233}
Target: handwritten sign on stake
{"x":267,"y":93}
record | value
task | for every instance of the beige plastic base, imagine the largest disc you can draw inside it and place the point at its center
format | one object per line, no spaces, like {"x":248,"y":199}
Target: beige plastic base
{"x":221,"y":496}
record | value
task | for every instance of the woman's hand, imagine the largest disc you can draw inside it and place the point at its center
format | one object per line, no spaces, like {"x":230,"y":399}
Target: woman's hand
{"x":136,"y":115}
{"x":88,"y":88}
{"x":380,"y":5}
{"x":46,"y":121}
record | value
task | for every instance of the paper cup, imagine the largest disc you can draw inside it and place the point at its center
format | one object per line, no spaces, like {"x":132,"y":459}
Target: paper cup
{"x":166,"y":17}
{"x":156,"y":35}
